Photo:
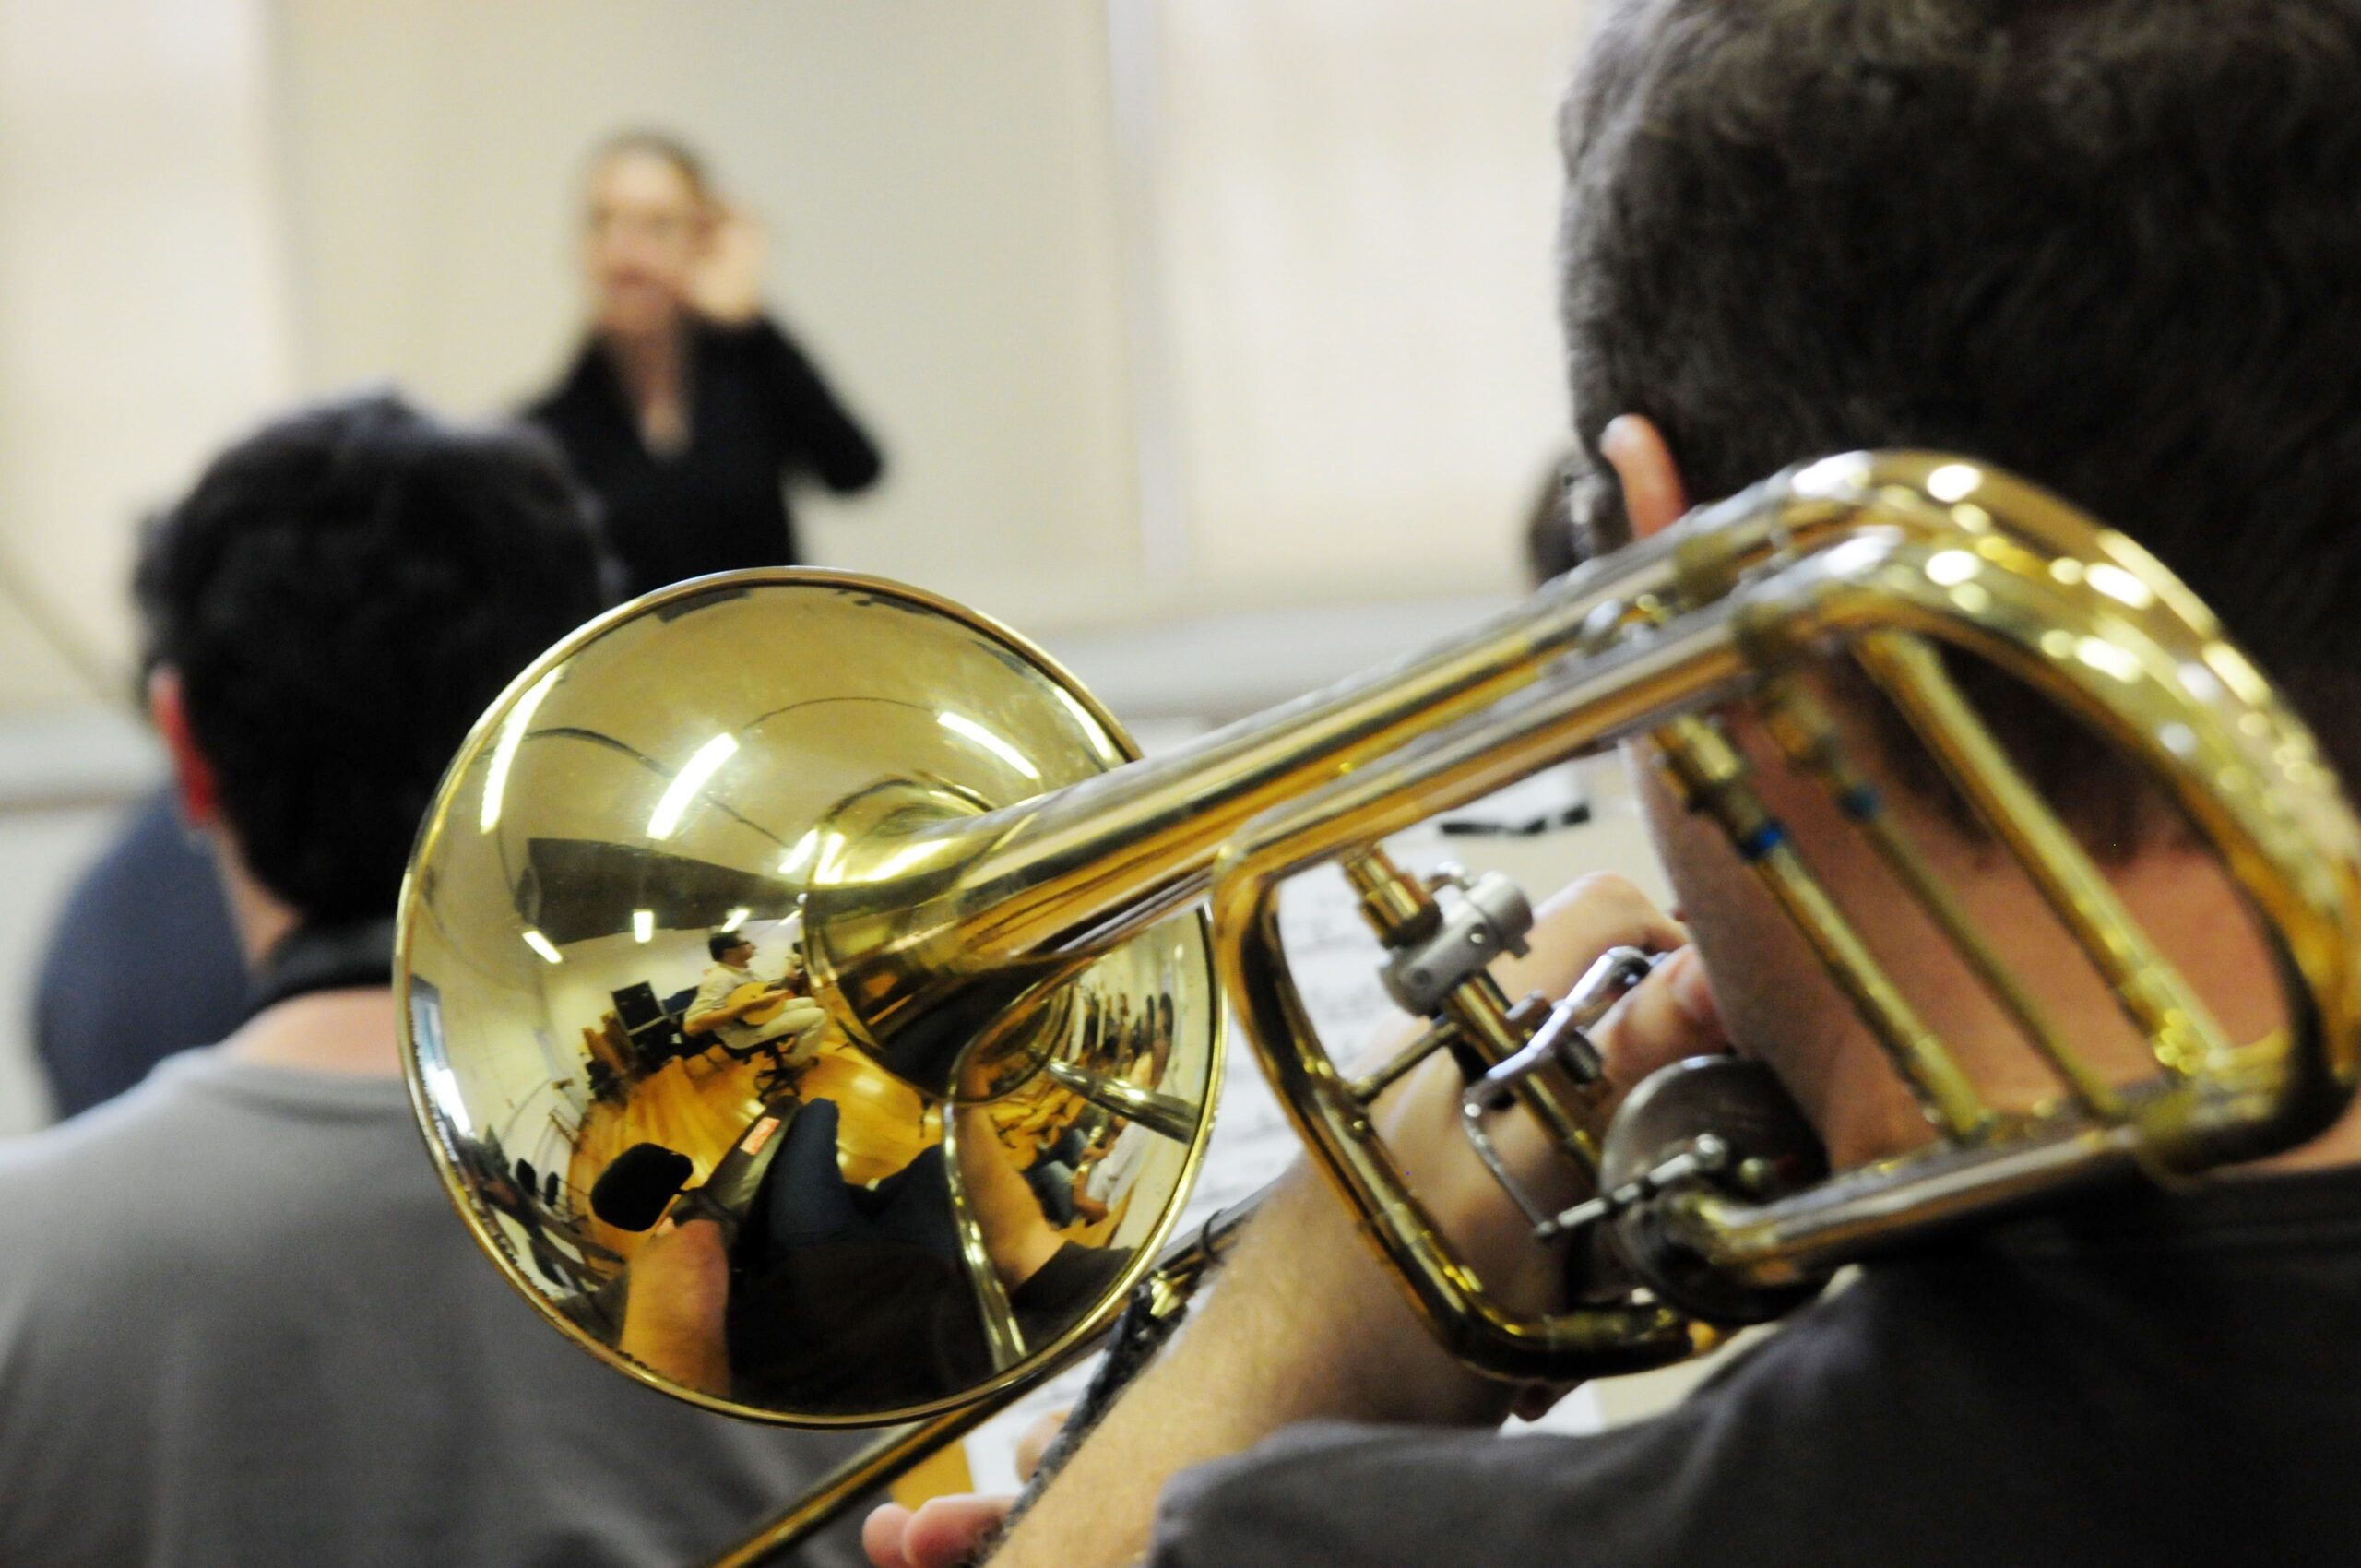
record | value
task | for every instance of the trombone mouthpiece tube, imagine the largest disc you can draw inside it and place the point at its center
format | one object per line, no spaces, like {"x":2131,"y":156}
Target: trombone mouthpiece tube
{"x":1002,"y":905}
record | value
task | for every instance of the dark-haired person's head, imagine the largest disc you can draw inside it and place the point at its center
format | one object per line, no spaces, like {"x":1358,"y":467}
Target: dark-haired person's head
{"x":328,"y":612}
{"x":2114,"y":246}
{"x":722,"y":944}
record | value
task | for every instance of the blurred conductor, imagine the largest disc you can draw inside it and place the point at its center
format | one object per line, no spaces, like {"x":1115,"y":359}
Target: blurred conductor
{"x":688,"y":410}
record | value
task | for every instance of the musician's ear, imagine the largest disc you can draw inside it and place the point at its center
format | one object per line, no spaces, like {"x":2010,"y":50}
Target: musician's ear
{"x":194,"y":788}
{"x":1653,"y":493}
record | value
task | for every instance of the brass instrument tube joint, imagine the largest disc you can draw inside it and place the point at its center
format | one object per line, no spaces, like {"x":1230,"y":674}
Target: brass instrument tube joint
{"x":1706,"y":566}
{"x":1803,"y":729}
{"x":1399,"y":1065}
{"x":1397,"y":906}
{"x":1476,"y":1012}
{"x":1712,"y":777}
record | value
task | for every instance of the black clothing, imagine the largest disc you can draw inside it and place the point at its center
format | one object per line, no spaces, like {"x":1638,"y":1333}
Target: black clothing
{"x":855,"y":1299}
{"x":175,"y":977}
{"x":758,"y":415}
{"x":329,"y":957}
{"x":852,"y":1325}
{"x":1054,"y":1295}
{"x":2148,"y":1380}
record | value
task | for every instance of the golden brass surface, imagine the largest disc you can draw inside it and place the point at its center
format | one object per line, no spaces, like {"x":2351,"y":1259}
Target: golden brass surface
{"x":1802,"y":727}
{"x":684,"y":767}
{"x":987,"y":894}
{"x":1710,"y":773}
{"x":1851,"y":551}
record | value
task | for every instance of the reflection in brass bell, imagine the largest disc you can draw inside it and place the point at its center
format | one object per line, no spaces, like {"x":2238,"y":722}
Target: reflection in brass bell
{"x":607,"y":980}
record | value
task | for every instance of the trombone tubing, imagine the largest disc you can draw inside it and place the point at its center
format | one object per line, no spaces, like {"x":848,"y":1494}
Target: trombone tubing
{"x":1582,"y":706}
{"x":2248,"y":801}
{"x":1098,"y":860}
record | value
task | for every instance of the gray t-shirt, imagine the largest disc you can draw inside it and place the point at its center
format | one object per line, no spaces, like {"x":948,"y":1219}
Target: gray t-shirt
{"x":240,"y":1324}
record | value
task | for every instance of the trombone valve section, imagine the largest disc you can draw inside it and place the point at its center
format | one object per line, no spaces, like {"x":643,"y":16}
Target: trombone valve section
{"x":1443,"y":934}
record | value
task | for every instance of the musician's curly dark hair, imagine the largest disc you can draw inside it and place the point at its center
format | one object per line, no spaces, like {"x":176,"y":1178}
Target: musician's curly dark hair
{"x":2112,"y":244}
{"x":342,"y":594}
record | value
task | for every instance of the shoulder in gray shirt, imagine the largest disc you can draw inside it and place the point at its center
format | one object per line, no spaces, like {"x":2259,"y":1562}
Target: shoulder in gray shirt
{"x":240,"y":1324}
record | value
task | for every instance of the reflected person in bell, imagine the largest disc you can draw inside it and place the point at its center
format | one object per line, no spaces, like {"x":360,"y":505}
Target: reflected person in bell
{"x":778,"y":1282}
{"x":749,"y":1014}
{"x":239,"y":1323}
{"x":689,"y":410}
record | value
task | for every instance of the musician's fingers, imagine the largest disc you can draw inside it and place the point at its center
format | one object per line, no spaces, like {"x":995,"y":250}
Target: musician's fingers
{"x":881,"y":1535}
{"x":946,"y":1531}
{"x":1667,"y":1016}
{"x":1582,"y":921}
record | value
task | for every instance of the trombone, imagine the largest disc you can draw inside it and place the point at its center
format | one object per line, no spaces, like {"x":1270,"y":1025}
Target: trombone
{"x":1002,"y":907}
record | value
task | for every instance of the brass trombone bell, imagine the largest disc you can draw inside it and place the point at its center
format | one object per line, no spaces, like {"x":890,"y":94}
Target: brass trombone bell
{"x":699,"y":763}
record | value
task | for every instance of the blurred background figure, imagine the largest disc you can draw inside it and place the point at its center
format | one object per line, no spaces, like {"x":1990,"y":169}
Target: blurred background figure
{"x":240,"y":1311}
{"x":1198,"y":358}
{"x":1105,"y":280}
{"x":142,"y":963}
{"x":688,"y":410}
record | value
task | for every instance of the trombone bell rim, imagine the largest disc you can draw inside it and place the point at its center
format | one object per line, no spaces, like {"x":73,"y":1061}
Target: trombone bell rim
{"x":426,"y":1059}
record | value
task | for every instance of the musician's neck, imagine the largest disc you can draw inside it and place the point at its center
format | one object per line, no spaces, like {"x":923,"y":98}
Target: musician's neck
{"x":260,"y":919}
{"x":350,"y":1031}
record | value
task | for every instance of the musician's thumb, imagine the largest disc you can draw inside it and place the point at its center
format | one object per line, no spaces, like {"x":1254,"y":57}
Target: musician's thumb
{"x":1669,"y":1015}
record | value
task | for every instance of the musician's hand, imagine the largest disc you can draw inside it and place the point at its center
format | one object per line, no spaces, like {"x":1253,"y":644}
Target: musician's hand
{"x":941,"y":1532}
{"x":947,"y":1530}
{"x":680,"y":1292}
{"x":1264,"y":1350}
{"x":699,"y":1203}
{"x":1669,"y":1015}
{"x":727,"y":285}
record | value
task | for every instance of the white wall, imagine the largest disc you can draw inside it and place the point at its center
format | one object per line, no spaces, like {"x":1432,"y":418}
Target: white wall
{"x":1295,"y":255}
{"x":1354,"y":209}
{"x":935,"y":176}
{"x":144,"y":302}
{"x":1266,"y":281}
{"x":1287,"y":258}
